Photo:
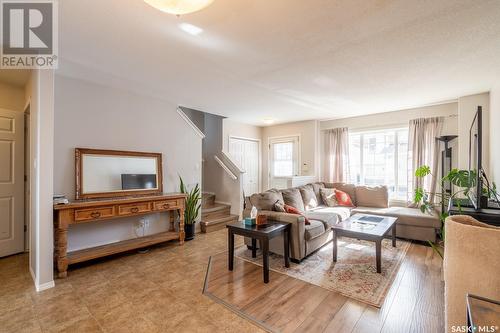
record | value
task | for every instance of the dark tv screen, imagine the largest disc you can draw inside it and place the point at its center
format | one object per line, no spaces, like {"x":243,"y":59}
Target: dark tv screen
{"x":138,"y":182}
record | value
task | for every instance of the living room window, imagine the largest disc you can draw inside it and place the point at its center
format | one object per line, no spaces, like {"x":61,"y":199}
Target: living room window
{"x":283,"y":159}
{"x":380,"y":157}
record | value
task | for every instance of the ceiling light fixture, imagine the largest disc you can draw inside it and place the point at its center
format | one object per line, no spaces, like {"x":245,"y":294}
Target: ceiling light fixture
{"x":190,"y":29}
{"x":268,"y":121}
{"x":179,"y":7}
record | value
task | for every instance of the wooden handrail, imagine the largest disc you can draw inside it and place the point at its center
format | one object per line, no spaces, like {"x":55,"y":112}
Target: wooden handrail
{"x":225,"y":168}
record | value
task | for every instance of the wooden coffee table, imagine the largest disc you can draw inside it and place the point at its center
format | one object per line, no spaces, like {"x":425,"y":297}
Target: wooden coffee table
{"x":263,"y":233}
{"x":366,"y":227}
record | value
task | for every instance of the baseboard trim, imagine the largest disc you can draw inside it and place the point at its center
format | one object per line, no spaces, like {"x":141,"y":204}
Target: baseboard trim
{"x":45,"y":286}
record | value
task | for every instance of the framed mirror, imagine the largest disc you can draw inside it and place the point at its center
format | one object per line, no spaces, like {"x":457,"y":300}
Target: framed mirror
{"x":112,"y":173}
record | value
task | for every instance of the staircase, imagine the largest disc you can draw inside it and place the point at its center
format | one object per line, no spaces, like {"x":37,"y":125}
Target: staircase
{"x":214,"y":216}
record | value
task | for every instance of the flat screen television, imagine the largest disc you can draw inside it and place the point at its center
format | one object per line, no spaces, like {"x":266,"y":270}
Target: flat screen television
{"x":138,"y":181}
{"x":475,"y":158}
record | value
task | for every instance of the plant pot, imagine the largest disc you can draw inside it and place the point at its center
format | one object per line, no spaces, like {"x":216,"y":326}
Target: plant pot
{"x":189,"y":231}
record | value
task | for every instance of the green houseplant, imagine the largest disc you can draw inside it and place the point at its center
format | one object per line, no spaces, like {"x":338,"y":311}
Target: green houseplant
{"x":193,"y":205}
{"x":462,"y":180}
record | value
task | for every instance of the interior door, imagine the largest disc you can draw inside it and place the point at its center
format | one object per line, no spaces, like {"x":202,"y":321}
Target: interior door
{"x":245,"y":152}
{"x":11,"y":182}
{"x":283,"y":161}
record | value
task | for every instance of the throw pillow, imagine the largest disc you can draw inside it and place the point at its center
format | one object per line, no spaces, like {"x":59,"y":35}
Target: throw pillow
{"x":293,"y":198}
{"x":343,"y":198}
{"x":328,"y":196}
{"x":308,"y":197}
{"x":292,"y":210}
{"x":279,"y":207}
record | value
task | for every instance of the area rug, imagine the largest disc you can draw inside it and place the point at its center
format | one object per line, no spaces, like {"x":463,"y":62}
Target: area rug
{"x":353,"y":275}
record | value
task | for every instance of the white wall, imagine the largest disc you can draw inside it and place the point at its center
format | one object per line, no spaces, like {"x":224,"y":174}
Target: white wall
{"x":88,"y":115}
{"x":40,"y":93}
{"x":494,"y":173}
{"x":467,"y":107}
{"x":309,"y":146}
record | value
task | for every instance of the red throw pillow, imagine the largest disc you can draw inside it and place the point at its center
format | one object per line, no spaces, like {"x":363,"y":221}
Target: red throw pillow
{"x":343,"y":198}
{"x":292,"y":210}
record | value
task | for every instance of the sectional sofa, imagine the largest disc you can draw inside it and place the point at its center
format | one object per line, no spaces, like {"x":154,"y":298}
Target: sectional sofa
{"x":305,"y":239}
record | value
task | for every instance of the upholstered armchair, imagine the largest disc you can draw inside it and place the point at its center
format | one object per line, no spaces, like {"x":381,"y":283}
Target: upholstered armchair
{"x":471,"y":265}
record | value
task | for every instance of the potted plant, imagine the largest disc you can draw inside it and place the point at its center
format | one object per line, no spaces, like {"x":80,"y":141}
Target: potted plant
{"x":463,"y":181}
{"x":193,"y":205}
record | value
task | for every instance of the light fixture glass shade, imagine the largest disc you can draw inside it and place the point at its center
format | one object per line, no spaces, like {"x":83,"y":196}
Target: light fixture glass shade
{"x":179,"y":7}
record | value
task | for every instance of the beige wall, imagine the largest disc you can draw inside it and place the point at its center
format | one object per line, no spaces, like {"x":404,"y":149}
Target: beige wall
{"x":88,"y":115}
{"x":235,"y":129}
{"x":12,"y":97}
{"x":494,"y":173}
{"x":467,"y":107}
{"x":309,"y":146}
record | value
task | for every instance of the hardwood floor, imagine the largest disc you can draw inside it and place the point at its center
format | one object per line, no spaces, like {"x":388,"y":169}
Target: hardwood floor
{"x":161,"y":291}
{"x":414,"y":303}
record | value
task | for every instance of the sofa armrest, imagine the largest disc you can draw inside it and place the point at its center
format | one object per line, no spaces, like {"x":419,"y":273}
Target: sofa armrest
{"x":297,"y":234}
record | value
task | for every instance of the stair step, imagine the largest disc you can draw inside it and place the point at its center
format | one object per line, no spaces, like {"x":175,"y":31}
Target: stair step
{"x":218,"y":223}
{"x":207,"y":199}
{"x":215,"y":211}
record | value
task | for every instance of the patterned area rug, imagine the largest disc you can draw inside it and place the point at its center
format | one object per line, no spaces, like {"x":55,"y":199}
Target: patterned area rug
{"x":353,"y":275}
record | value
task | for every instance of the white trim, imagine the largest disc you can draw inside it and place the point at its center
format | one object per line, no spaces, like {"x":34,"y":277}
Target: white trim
{"x":233,"y":164}
{"x":225,"y":168}
{"x":190,"y":123}
{"x":299,"y":155}
{"x":45,"y":286}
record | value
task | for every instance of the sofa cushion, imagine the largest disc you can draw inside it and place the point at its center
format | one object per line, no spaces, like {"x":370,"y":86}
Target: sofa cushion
{"x":308,"y":197}
{"x":329,"y":215}
{"x":293,"y":198}
{"x":405,"y":215}
{"x":347,"y":188}
{"x":315,"y":229}
{"x":376,"y":196}
{"x":266,"y":200}
{"x":316,"y":188}
{"x":328,"y":196}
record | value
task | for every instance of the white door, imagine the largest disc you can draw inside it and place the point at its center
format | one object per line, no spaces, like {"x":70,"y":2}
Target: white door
{"x":11,"y":182}
{"x":245,"y":152}
{"x":283,"y":160}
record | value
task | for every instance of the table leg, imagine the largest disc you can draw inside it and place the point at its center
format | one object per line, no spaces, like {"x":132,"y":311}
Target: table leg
{"x":264,"y":243}
{"x":60,"y":248}
{"x":182,"y":234}
{"x":334,"y":241}
{"x":378,"y":254}
{"x":394,"y":235}
{"x":254,"y":248}
{"x":230,"y":242}
{"x":286,"y":245}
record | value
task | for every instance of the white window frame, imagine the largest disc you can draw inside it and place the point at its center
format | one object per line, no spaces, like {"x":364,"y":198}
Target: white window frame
{"x":296,"y":139}
{"x":394,"y":128}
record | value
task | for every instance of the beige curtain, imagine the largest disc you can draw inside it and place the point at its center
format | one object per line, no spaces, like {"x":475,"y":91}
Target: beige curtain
{"x":336,"y":155}
{"x":423,"y":148}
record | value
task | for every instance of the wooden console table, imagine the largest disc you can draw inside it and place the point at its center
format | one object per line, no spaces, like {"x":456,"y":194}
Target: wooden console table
{"x":84,"y":211}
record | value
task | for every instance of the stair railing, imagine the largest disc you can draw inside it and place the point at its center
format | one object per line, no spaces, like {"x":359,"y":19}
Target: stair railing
{"x":225,"y":168}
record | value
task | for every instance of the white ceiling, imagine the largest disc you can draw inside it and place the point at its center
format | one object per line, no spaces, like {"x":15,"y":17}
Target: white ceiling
{"x":288,"y":59}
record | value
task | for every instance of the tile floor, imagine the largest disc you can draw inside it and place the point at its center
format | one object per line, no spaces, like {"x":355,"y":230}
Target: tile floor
{"x":158,"y":291}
